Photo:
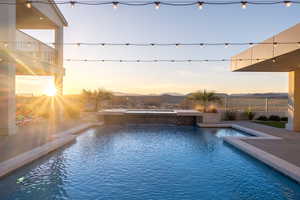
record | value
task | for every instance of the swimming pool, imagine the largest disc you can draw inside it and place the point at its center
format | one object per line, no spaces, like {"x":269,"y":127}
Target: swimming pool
{"x":148,"y":162}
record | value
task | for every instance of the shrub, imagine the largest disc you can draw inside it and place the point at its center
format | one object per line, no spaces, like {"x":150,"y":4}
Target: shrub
{"x":284,"y":119}
{"x":72,"y":112}
{"x":213,"y":110}
{"x":262,"y":118}
{"x":274,"y":118}
{"x":250,"y":115}
{"x":230,"y":115}
{"x":43,"y":113}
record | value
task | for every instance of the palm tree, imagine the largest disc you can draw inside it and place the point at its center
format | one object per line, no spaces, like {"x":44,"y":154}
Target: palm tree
{"x":97,"y":96}
{"x":204,"y":98}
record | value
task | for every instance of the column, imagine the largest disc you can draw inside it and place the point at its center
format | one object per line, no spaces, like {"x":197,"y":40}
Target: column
{"x":294,"y":101}
{"x":58,"y":77}
{"x":7,"y":70}
{"x":59,"y":40}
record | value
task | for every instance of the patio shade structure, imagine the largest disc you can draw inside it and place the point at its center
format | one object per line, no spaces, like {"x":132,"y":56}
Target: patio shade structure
{"x":277,"y":57}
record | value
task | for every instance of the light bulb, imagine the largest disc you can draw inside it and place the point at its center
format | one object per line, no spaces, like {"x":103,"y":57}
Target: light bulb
{"x":287,"y":3}
{"x":298,"y":44}
{"x":226,"y":45}
{"x":275,"y":44}
{"x":115,"y":4}
{"x":157,"y":5}
{"x":28,"y":4}
{"x":244,"y":4}
{"x":177,"y":45}
{"x":72,"y":4}
{"x":200,"y":5}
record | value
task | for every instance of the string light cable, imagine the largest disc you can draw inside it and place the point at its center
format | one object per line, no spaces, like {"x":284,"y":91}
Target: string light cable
{"x":157,"y":4}
{"x":200,"y":44}
{"x":162,"y":60}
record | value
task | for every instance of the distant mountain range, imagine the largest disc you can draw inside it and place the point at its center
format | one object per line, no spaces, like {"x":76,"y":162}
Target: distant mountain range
{"x":134,"y":94}
{"x":260,"y":95}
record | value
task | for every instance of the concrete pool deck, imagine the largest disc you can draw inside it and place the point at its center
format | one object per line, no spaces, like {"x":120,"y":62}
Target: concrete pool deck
{"x":278,"y":148}
{"x":34,"y":141}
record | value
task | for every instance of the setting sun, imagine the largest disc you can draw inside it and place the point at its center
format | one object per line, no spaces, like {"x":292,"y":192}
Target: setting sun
{"x":50,"y":91}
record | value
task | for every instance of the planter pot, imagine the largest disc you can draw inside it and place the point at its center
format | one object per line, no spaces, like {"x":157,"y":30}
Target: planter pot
{"x":211,"y":118}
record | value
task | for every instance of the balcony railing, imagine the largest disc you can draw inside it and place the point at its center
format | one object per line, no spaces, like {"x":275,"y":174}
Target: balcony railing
{"x":34,"y":49}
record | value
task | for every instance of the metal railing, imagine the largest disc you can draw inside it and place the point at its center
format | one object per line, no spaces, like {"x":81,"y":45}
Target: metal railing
{"x":29,"y":46}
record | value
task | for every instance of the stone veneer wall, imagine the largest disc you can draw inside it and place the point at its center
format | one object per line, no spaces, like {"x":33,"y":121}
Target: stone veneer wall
{"x":151,"y":119}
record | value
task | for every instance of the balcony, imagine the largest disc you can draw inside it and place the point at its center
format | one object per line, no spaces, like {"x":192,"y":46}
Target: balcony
{"x":34,"y":57}
{"x":35,"y":49}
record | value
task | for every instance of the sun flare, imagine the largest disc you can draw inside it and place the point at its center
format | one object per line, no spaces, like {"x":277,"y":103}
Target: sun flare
{"x":50,"y":91}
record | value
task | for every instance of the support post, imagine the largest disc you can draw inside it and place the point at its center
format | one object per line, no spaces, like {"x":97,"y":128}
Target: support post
{"x":294,"y":101}
{"x":58,"y":77}
{"x":7,"y":69}
{"x":267,"y":106}
{"x":59,"y":40}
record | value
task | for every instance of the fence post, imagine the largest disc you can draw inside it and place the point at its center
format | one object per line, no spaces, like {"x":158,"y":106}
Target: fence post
{"x":267,"y":105}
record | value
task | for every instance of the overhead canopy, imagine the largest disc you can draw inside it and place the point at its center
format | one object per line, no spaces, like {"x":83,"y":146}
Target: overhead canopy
{"x":40,"y":16}
{"x":270,"y":57}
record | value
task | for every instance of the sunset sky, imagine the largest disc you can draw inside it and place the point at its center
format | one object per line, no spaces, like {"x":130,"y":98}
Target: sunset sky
{"x":168,"y":24}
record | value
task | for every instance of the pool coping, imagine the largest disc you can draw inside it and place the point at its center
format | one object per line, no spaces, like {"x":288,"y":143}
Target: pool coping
{"x":61,"y":139}
{"x":281,"y":165}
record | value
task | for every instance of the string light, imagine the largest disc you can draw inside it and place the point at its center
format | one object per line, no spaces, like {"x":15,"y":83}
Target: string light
{"x":28,"y":4}
{"x":287,"y":3}
{"x":162,"y":60}
{"x":226,"y":44}
{"x":157,"y":5}
{"x":200,"y":5}
{"x":298,"y":44}
{"x":244,"y":4}
{"x":177,"y":44}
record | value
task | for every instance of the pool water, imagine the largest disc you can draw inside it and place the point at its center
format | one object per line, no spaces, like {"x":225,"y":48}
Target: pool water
{"x":149,"y":162}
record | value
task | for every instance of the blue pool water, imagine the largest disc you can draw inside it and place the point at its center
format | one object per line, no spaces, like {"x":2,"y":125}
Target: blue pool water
{"x":149,"y":162}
